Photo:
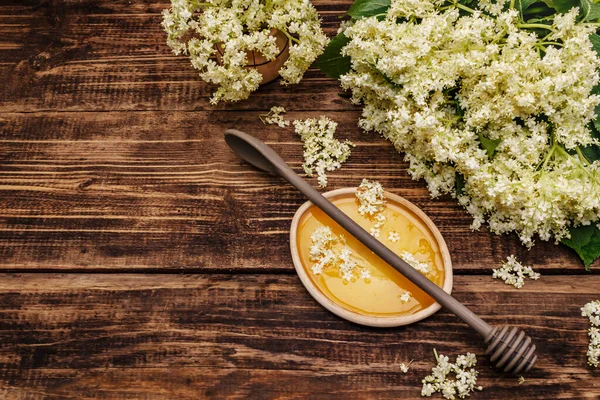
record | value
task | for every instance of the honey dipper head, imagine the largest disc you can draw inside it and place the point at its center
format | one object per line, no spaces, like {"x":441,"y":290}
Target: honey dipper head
{"x":511,"y":350}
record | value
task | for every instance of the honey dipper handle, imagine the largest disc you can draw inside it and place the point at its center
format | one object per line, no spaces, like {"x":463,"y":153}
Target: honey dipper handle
{"x":262,"y":156}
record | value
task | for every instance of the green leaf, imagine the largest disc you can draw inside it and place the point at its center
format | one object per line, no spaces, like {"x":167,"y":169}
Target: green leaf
{"x":562,"y":6}
{"x":522,"y":5}
{"x":595,"y":39}
{"x":585,"y":240}
{"x":368,"y":8}
{"x":489,"y":145}
{"x":596,"y":89}
{"x":459,"y":180}
{"x":592,"y":153}
{"x":332,"y":62}
{"x":589,"y":10}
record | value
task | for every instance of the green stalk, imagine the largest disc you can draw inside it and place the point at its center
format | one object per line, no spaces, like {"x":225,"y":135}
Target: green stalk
{"x":582,"y":157}
{"x":548,"y":43}
{"x":290,"y":37}
{"x":464,"y":8}
{"x":535,"y":26}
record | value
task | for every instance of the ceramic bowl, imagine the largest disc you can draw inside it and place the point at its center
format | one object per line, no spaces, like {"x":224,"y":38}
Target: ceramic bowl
{"x":349,"y":315}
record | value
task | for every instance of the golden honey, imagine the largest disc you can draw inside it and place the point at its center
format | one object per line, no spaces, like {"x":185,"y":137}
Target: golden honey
{"x":378,"y":296}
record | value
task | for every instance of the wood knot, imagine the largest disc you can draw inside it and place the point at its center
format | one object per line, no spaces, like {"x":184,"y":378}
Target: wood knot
{"x":87,"y":183}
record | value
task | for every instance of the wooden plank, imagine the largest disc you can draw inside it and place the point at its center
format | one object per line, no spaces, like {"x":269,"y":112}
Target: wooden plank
{"x":111,"y":55}
{"x":173,"y":336}
{"x":154,"y":190}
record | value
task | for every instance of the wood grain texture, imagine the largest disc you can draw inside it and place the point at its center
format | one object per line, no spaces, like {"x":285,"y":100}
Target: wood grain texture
{"x":144,"y":190}
{"x":263,"y":336}
{"x":156,"y":190}
{"x":112,"y":55}
{"x":112,"y":161}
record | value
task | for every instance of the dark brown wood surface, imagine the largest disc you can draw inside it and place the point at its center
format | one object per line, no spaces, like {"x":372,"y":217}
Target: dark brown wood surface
{"x":141,"y":259}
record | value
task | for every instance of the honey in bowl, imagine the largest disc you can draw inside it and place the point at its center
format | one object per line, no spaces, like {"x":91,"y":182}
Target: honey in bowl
{"x":385,"y":292}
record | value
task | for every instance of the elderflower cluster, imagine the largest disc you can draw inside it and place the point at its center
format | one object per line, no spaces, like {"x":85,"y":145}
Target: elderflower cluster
{"x":421,"y":266}
{"x":370,"y":198}
{"x":371,"y":204}
{"x":322,"y":152}
{"x":275,"y":117}
{"x":514,"y":273}
{"x":473,"y":95}
{"x":237,"y":28}
{"x":464,"y":382}
{"x":592,"y":311}
{"x":393,"y":236}
{"x":325,"y":255}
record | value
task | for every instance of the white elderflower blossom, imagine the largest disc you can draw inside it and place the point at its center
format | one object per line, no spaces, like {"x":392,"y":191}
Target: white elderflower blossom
{"x":371,"y":204}
{"x":406,"y":297}
{"x":365,"y":274}
{"x":592,"y":311}
{"x":322,"y":152}
{"x":329,"y":251}
{"x":275,"y":117}
{"x":422,"y":267}
{"x":514,"y":273}
{"x":464,"y":382}
{"x":370,"y":198}
{"x":321,"y":251}
{"x":235,"y":28}
{"x":404,"y":367}
{"x":393,"y":236}
{"x":439,"y":83}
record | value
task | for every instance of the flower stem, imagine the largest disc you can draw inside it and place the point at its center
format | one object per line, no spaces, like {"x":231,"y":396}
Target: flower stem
{"x":554,"y":148}
{"x":290,"y":37}
{"x":550,"y":43}
{"x":464,"y":8}
{"x":535,"y":26}
{"x":582,"y":157}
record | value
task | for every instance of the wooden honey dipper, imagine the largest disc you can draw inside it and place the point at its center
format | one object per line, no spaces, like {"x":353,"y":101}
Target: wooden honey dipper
{"x":510,"y":349}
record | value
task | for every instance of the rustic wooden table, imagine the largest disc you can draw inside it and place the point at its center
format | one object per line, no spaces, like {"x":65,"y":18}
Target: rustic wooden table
{"x":141,"y":259}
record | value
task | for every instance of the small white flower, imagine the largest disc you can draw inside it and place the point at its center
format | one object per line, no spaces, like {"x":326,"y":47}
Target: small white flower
{"x":464,"y":382}
{"x":371,"y":204}
{"x":393,"y":236}
{"x":322,"y":152}
{"x":592,"y":311}
{"x":329,"y":251}
{"x":404,"y":367}
{"x":406,"y":297}
{"x":514,"y":273}
{"x":371,"y":199}
{"x":365,"y":274}
{"x":275,"y":117}
{"x":421,"y":266}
